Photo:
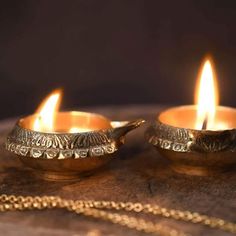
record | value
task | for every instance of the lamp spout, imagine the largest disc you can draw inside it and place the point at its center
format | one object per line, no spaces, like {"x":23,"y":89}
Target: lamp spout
{"x":119,"y":132}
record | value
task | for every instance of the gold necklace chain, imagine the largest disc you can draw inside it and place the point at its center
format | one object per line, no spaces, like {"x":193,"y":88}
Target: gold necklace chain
{"x":98,"y":209}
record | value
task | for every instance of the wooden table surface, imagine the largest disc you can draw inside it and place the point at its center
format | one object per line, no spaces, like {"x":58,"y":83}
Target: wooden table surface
{"x":138,"y":174}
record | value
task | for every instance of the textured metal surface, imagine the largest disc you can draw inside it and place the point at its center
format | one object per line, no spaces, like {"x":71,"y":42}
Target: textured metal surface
{"x":67,"y":155}
{"x":34,"y":144}
{"x":197,"y":152}
{"x":189,"y":140}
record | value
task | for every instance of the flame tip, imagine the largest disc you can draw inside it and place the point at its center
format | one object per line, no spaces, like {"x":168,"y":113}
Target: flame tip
{"x":56,"y":91}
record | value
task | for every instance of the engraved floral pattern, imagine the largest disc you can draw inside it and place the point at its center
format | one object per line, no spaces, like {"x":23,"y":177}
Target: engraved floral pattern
{"x":187,"y":140}
{"x":42,"y":145}
{"x":67,"y":145}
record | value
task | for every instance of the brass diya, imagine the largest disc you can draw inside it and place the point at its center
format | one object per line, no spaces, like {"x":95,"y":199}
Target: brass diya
{"x":198,"y":139}
{"x":66,"y":155}
{"x":191,"y":151}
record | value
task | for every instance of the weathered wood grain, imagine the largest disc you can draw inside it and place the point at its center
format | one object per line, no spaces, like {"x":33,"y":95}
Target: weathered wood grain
{"x":137,"y":174}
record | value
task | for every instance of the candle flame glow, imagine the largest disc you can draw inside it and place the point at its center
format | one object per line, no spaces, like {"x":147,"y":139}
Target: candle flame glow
{"x":206,"y":97}
{"x":47,"y":110}
{"x":46,"y":115}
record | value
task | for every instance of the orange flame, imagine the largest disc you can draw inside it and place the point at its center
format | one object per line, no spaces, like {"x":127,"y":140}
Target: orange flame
{"x":206,"y":97}
{"x":47,"y":110}
{"x":46,"y":114}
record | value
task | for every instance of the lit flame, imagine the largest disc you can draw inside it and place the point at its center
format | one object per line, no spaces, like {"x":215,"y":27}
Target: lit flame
{"x":206,"y":97}
{"x":47,"y":110}
{"x":46,"y":114}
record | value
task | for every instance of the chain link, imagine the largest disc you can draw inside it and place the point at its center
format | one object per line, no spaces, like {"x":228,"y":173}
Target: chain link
{"x":97,"y":209}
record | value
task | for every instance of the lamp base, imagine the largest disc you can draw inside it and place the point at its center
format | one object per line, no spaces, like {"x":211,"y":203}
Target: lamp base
{"x":199,"y":164}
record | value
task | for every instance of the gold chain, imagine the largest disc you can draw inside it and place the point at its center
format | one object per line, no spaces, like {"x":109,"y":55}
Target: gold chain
{"x":97,"y":209}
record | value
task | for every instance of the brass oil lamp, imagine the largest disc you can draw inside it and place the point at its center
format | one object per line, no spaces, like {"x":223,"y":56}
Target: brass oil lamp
{"x":197,"y":139}
{"x":66,"y":145}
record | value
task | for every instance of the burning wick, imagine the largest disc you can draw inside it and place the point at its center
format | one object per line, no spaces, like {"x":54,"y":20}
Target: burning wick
{"x":204,"y":124}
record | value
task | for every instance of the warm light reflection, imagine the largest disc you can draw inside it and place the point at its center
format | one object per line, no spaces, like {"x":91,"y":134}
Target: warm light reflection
{"x":79,"y":130}
{"x":206,"y":98}
{"x":47,"y":112}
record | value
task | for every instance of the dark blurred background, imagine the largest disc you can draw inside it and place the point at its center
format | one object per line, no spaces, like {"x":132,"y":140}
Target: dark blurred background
{"x":112,"y":52}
